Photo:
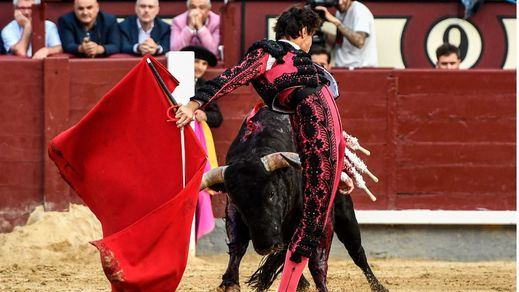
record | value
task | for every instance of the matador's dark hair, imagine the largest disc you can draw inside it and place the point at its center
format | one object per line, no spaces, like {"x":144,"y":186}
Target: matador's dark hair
{"x":293,"y":20}
{"x":447,"y":49}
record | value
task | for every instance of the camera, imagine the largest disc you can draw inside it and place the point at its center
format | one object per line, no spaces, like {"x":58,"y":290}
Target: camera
{"x":325,"y":3}
{"x":319,"y":38}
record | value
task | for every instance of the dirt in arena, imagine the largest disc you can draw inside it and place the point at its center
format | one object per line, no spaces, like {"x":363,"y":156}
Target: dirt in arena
{"x":51,"y":253}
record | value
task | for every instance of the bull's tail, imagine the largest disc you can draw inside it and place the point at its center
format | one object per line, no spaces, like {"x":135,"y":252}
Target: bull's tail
{"x":270,"y":267}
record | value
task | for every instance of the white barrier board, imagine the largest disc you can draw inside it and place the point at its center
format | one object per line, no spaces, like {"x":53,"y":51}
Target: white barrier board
{"x":182,"y":66}
{"x":440,"y":217}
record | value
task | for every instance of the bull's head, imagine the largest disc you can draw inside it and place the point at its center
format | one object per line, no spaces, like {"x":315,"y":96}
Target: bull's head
{"x":264,"y":191}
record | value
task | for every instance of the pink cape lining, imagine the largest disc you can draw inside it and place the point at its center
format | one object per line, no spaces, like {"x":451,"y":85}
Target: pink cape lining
{"x":204,"y":222}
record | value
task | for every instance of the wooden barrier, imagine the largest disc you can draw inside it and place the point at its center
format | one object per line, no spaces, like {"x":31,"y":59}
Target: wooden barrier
{"x":439,"y":140}
{"x":21,"y":140}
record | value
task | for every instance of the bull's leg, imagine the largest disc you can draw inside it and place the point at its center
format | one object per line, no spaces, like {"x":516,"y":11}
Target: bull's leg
{"x":348,"y":232}
{"x":238,"y":235}
{"x":303,"y":284}
{"x":318,"y":263}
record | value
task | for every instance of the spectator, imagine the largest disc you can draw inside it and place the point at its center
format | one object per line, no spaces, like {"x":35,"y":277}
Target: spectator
{"x":145,"y":33}
{"x":16,"y":36}
{"x":204,"y":58}
{"x":321,"y":56}
{"x":448,"y":57}
{"x":197,"y":26}
{"x":89,"y":32}
{"x":355,"y":41}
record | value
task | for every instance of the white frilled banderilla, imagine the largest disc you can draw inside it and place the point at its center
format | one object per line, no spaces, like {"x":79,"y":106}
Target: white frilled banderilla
{"x":353,"y":166}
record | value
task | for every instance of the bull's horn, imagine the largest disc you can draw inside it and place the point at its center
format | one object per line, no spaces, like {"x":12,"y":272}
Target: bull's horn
{"x":279,"y":160}
{"x":213,"y":176}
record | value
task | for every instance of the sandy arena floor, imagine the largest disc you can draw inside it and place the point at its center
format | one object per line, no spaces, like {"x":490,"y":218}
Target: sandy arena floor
{"x":38,"y":257}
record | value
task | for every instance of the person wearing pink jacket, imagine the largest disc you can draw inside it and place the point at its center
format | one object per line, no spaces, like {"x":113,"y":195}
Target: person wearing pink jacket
{"x":197,"y":26}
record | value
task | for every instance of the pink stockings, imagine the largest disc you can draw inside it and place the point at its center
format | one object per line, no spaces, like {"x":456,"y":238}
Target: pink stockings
{"x":291,"y":273}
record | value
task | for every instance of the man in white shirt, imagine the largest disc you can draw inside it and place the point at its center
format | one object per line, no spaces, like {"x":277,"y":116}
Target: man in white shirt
{"x":355,"y":41}
{"x":17,"y":34}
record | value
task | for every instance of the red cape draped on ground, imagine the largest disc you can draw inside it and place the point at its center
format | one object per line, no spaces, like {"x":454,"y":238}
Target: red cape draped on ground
{"x":124,"y":160}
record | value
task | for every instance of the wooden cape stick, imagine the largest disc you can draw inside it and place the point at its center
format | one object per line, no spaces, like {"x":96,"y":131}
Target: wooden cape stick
{"x":174,"y":102}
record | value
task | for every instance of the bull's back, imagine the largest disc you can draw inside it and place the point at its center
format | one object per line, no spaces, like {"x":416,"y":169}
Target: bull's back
{"x":265,"y":133}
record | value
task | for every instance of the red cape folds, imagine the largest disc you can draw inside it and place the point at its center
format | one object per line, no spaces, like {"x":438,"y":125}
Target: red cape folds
{"x":124,"y":160}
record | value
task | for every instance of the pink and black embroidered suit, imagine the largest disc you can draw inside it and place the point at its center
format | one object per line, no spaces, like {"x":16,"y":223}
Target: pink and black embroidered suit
{"x":295,"y":85}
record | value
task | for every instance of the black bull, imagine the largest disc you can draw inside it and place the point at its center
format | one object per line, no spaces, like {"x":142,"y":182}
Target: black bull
{"x":266,"y":206}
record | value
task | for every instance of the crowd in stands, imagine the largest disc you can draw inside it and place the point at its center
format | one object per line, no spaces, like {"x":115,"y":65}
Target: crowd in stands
{"x":87,"y":31}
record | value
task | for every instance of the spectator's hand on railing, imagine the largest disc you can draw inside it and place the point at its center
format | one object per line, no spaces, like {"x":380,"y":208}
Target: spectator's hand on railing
{"x":41,"y":53}
{"x":100,"y":49}
{"x":91,"y":49}
{"x":149,"y":46}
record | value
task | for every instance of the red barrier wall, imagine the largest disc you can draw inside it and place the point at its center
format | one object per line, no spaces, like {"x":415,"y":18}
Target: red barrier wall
{"x":455,"y":140}
{"x":439,"y":140}
{"x":21,"y":140}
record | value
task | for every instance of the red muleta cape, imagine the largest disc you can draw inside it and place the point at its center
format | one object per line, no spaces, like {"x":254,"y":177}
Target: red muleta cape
{"x":124,"y":160}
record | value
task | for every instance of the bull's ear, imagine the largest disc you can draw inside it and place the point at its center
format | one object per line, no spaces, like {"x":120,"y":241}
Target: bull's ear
{"x":219,"y":187}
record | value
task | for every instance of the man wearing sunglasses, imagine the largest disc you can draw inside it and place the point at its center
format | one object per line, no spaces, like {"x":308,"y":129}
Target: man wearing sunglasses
{"x":17,"y":35}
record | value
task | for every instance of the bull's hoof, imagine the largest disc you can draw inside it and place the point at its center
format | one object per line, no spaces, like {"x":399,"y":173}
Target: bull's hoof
{"x":228,"y":288}
{"x":303,"y":285}
{"x":303,"y":289}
